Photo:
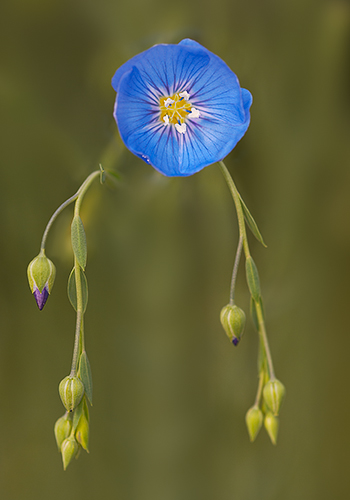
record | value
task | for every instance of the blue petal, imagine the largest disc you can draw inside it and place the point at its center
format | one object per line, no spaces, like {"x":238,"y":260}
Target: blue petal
{"x":214,"y":90}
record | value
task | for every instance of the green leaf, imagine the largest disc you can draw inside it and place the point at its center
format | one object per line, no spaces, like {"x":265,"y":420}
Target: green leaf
{"x":85,"y":375}
{"x":79,"y":240}
{"x":77,"y":413}
{"x":72,"y":289}
{"x":251,"y":222}
{"x":253,"y":278}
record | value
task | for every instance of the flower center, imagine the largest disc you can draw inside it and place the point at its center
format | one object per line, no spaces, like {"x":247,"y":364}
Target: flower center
{"x":176,"y":109}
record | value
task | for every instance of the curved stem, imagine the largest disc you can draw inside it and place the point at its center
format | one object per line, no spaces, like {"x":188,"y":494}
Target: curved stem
{"x":82,"y":190}
{"x":235,"y":270}
{"x":56,"y":213}
{"x":239,"y":210}
{"x":77,"y":196}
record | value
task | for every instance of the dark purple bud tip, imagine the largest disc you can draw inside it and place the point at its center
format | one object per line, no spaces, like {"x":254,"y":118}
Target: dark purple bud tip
{"x":41,"y":298}
{"x":235,"y":341}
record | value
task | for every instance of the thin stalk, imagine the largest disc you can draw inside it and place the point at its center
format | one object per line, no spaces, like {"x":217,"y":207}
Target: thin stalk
{"x":77,"y":196}
{"x":262,"y":332}
{"x":260,"y":387}
{"x":239,"y":210}
{"x":79,"y":320}
{"x":235,"y":270}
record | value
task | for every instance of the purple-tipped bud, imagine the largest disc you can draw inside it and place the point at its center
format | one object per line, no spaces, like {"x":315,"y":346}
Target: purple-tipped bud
{"x":41,"y":298}
{"x":233,"y":319}
{"x":41,"y":276}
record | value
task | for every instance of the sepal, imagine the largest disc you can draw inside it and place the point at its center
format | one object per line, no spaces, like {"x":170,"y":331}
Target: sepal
{"x":232,"y":319}
{"x":274,"y":392}
{"x":63,"y":427}
{"x":71,"y":391}
{"x":254,"y":420}
{"x":41,"y":274}
{"x":271,"y":423}
{"x":69,"y":449}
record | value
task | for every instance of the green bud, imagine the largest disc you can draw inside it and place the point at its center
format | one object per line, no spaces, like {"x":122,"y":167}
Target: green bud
{"x":71,"y":391}
{"x":233,"y":320}
{"x":254,"y":419}
{"x":271,"y":425}
{"x":69,"y":449}
{"x":63,"y":427}
{"x":273,"y":393}
{"x":252,"y":278}
{"x":82,"y":432}
{"x":41,"y":276}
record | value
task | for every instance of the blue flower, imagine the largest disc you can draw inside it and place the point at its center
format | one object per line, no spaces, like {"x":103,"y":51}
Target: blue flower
{"x":180,"y":107}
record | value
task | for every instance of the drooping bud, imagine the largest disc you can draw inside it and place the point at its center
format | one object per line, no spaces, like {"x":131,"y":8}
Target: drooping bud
{"x":41,"y":276}
{"x":63,"y":427}
{"x":271,"y":425}
{"x":69,"y":449}
{"x":82,"y":432}
{"x":254,"y":419}
{"x":274,"y":392}
{"x":71,"y":391}
{"x":233,"y":320}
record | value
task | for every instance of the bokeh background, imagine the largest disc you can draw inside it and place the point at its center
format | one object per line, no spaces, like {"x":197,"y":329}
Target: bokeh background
{"x":170,"y":392}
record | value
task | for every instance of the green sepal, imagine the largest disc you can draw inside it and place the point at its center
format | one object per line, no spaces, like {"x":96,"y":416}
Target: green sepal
{"x":271,"y":423}
{"x":82,"y":429}
{"x":69,"y":450}
{"x":78,"y":238}
{"x":254,"y":420}
{"x":72,"y":289}
{"x":252,"y":278}
{"x":41,"y":271}
{"x":77,"y":414}
{"x":251,"y":222}
{"x":85,"y":375}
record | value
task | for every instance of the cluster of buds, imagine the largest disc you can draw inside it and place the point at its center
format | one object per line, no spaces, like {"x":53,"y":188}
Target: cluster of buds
{"x":273,"y":395}
{"x":72,"y":429}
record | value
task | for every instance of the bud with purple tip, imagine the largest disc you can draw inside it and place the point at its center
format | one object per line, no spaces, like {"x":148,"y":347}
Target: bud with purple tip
{"x":232,"y":319}
{"x":41,"y":276}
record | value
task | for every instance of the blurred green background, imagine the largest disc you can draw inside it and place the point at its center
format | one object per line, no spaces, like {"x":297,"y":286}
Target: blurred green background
{"x":170,"y":393}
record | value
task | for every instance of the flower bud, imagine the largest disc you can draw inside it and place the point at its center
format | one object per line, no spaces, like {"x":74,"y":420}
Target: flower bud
{"x":271,"y":425}
{"x":71,"y":391}
{"x":41,"y":276}
{"x":233,"y":320}
{"x":82,"y":432}
{"x":254,"y":419}
{"x":273,"y":393}
{"x":69,"y":449}
{"x":63,"y":427}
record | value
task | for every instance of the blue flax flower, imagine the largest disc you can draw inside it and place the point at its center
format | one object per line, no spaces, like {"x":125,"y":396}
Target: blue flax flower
{"x":180,"y":107}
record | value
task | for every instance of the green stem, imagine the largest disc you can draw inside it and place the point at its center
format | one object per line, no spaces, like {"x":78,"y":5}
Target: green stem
{"x":243,"y":235}
{"x":79,"y":320}
{"x":79,"y":194}
{"x":239,"y":210}
{"x":262,"y":333}
{"x":235,"y":270}
{"x":260,"y":387}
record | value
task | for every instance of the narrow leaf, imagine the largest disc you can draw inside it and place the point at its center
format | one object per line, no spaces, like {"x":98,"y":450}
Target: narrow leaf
{"x":77,"y":413}
{"x":79,"y":240}
{"x":72,"y":289}
{"x":251,"y":222}
{"x":253,"y":278}
{"x":85,"y":375}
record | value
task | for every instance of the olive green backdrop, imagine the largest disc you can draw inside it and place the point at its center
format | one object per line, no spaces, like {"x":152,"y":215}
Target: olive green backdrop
{"x":170,"y":392}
